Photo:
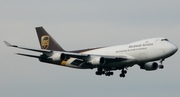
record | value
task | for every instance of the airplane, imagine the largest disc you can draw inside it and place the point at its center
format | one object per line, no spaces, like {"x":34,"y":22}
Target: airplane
{"x":149,"y":54}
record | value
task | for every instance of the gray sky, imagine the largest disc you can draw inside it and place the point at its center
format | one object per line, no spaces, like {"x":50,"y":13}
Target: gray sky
{"x":84,"y":24}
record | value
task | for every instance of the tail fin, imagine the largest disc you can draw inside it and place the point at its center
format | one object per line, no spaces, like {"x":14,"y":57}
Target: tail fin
{"x":46,"y":41}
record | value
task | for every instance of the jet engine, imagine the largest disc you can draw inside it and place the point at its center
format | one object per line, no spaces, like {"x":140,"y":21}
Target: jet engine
{"x":56,"y":57}
{"x":97,"y":61}
{"x":149,"y":66}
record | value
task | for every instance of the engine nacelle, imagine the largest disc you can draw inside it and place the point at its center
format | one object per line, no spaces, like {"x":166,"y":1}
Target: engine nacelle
{"x":56,"y":57}
{"x":150,"y":66}
{"x":97,"y":61}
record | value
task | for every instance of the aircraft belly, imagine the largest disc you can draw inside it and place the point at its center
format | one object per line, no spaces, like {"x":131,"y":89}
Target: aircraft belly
{"x":126,"y":63}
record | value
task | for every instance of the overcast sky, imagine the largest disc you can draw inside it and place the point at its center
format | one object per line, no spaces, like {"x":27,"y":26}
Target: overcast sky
{"x":85,"y":24}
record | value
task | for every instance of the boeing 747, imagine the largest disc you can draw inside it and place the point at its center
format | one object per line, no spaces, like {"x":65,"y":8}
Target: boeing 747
{"x":149,"y":54}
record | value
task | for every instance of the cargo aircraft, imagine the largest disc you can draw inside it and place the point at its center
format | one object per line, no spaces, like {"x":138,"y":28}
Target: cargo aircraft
{"x":149,"y":54}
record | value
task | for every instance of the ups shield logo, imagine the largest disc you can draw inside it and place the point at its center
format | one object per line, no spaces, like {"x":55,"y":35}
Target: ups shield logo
{"x":45,"y":41}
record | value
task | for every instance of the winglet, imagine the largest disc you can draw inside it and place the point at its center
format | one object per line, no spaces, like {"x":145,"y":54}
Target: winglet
{"x":8,"y":44}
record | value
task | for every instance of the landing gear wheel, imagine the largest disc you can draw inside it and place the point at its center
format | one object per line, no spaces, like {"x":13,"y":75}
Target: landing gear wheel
{"x":109,"y":73}
{"x":124,"y":72}
{"x":122,"y":75}
{"x":98,"y":73}
{"x":161,"y":66}
{"x":106,"y":74}
{"x":103,"y":72}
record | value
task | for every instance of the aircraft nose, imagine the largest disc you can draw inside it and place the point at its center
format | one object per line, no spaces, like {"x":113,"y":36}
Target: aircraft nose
{"x":174,"y":48}
{"x":169,"y":48}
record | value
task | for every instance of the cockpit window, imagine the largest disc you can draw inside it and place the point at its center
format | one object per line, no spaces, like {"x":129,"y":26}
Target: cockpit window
{"x":164,"y":40}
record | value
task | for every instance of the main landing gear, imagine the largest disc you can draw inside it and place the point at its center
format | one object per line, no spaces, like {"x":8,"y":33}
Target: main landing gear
{"x":123,"y":72}
{"x":161,"y":66}
{"x":100,"y":71}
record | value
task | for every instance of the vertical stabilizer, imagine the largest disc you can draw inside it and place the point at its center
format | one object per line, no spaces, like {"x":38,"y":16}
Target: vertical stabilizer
{"x":46,"y":41}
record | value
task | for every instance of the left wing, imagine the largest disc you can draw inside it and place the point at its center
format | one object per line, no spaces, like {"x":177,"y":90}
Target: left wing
{"x":90,"y":58}
{"x":27,"y":55}
{"x":25,"y":48}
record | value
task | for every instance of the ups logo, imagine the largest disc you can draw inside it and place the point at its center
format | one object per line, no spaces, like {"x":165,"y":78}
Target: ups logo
{"x":45,"y":41}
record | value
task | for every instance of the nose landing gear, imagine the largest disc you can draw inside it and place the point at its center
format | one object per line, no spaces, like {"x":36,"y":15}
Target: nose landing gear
{"x":161,"y":66}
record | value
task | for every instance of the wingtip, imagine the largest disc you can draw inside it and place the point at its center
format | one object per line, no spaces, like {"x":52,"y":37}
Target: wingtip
{"x":10,"y":45}
{"x":7,"y":43}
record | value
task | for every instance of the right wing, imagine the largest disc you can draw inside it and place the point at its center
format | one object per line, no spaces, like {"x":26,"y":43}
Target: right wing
{"x":87,"y":56}
{"x":27,"y":55}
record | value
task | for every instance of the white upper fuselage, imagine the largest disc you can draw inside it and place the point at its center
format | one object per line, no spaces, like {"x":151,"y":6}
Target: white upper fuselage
{"x":139,"y":52}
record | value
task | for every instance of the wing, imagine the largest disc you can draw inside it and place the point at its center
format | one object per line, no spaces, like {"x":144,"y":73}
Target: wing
{"x":25,"y":48}
{"x":27,"y":55}
{"x":89,"y":58}
{"x":98,"y":59}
